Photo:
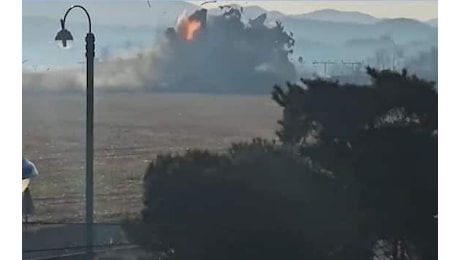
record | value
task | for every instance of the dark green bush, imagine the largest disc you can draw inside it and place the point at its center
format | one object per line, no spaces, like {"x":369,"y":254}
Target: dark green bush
{"x":257,"y":201}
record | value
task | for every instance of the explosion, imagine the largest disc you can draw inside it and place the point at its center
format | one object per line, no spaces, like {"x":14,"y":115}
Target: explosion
{"x":188,"y":28}
{"x":221,"y":53}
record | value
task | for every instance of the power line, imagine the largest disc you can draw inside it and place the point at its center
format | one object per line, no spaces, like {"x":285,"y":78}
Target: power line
{"x":324,"y":63}
{"x":353,"y":63}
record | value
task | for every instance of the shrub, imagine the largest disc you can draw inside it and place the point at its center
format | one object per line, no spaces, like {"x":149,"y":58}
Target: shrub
{"x":257,"y":201}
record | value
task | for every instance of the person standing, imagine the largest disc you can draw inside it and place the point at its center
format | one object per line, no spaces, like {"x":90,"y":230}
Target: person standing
{"x":29,"y":171}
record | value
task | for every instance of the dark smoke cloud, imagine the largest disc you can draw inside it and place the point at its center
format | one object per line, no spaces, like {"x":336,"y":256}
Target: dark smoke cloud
{"x":225,"y":55}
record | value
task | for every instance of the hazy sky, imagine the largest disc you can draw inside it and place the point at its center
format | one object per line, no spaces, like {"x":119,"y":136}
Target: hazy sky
{"x":421,"y":10}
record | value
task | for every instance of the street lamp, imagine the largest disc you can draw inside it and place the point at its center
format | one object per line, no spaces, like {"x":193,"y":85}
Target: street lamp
{"x":64,"y":39}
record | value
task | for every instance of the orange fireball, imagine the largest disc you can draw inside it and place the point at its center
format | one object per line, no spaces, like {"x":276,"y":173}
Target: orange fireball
{"x":188,"y":28}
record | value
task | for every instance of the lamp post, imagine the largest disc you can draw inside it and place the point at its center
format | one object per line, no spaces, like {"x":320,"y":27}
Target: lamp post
{"x":64,"y":39}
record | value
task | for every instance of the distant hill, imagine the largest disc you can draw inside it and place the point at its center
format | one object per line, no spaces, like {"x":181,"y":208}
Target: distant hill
{"x":406,"y":22}
{"x":253,"y":11}
{"x":432,"y":22}
{"x":331,"y":15}
{"x":375,"y":43}
{"x":325,"y":34}
{"x":165,"y":12}
{"x":400,"y":30}
{"x":406,"y":29}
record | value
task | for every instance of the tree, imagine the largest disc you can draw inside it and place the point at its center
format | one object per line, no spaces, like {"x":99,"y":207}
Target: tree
{"x":378,"y":141}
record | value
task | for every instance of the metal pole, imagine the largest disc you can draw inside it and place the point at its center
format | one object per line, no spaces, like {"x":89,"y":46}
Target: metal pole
{"x":89,"y":142}
{"x":89,"y":188}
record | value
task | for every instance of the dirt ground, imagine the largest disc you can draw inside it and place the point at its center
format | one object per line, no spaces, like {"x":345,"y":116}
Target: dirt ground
{"x":130,"y":129}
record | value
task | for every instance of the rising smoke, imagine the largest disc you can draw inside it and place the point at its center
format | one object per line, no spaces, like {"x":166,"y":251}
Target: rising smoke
{"x":201,"y":53}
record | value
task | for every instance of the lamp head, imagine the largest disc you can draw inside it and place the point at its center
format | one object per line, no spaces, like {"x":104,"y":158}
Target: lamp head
{"x":64,"y":38}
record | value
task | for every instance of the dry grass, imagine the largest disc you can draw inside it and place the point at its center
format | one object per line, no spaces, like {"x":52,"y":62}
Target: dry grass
{"x":130,"y":129}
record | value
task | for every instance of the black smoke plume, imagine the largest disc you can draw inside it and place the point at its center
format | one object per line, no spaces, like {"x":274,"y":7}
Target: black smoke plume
{"x":223,"y":54}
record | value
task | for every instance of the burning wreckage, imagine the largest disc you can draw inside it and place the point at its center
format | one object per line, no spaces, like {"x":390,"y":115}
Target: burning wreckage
{"x":223,"y":54}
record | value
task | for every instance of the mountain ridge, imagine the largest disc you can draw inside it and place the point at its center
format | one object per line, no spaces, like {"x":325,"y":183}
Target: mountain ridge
{"x":169,"y":11}
{"x":333,"y":15}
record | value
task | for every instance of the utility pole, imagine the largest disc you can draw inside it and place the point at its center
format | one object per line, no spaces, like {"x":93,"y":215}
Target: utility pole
{"x":324,"y":63}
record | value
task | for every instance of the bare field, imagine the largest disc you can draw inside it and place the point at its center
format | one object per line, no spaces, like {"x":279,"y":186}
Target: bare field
{"x":130,"y":129}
